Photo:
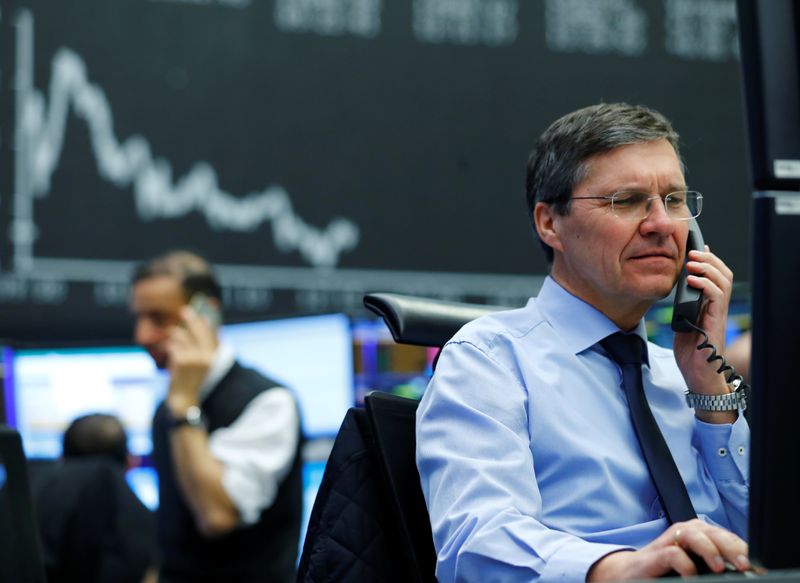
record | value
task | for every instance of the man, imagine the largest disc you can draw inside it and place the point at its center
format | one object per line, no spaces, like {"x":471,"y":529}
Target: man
{"x":225,"y":440}
{"x":527,"y":450}
{"x":93,"y":527}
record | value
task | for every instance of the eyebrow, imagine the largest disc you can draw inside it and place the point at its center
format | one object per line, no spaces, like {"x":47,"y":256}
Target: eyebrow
{"x":667,"y":190}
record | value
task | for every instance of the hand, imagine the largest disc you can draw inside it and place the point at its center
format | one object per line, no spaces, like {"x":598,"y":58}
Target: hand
{"x":708,"y":273}
{"x":190,"y":348}
{"x":670,"y":552}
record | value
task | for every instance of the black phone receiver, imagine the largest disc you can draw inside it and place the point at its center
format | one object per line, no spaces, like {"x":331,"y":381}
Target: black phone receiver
{"x":688,"y":300}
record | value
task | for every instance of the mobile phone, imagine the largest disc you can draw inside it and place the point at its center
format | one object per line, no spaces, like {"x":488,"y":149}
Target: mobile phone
{"x":206,"y":309}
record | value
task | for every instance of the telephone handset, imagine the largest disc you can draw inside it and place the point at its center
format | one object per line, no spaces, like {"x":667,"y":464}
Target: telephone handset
{"x":206,"y":309}
{"x":688,"y":300}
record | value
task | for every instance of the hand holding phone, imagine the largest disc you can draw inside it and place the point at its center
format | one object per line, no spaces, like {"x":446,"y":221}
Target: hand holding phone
{"x":191,"y":348}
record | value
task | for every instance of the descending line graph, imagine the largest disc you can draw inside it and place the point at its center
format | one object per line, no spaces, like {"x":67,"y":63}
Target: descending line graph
{"x":39,"y":140}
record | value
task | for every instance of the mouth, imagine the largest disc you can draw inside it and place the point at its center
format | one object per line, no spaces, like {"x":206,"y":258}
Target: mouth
{"x":655,"y":255}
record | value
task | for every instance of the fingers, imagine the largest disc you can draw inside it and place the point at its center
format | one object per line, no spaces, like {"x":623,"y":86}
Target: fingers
{"x":706,"y":269}
{"x":712,"y":544}
{"x":709,"y":273}
{"x":193,"y":330}
{"x":673,"y":558}
{"x":733,"y":549}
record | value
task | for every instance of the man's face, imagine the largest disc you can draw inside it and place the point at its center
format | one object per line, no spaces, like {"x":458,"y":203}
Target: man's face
{"x":621,"y":266}
{"x":156,"y":303}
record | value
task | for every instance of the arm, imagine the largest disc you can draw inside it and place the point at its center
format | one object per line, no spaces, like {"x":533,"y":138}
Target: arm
{"x":200,"y":479}
{"x":478,"y":477}
{"x":191,"y":350}
{"x":724,"y":431}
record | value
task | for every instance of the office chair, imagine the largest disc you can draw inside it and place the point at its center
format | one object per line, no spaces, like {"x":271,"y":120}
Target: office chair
{"x":425,"y":322}
{"x":392,"y":420}
{"x":369,"y":521}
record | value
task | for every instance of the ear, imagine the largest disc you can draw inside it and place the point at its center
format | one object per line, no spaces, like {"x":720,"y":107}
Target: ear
{"x":545,"y":219}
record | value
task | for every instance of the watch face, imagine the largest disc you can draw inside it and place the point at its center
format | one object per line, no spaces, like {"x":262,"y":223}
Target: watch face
{"x":194,"y":416}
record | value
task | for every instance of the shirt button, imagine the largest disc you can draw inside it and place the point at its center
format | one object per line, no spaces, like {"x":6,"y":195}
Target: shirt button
{"x":722,"y":452}
{"x":740,"y":450}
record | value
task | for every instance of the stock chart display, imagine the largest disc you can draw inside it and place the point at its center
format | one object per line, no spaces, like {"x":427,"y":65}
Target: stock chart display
{"x":315,"y":150}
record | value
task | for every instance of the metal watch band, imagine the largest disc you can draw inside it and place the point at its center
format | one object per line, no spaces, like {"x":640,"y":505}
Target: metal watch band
{"x":727,"y":402}
{"x":192,"y":418}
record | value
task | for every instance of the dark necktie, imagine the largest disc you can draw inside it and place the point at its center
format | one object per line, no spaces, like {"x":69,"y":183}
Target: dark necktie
{"x":626,"y":350}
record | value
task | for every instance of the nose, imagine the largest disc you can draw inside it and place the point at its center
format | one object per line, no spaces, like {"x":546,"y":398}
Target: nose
{"x":657,"y":220}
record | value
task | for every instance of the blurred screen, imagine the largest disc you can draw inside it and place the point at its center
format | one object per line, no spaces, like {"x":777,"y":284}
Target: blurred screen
{"x":47,"y":388}
{"x":383,"y":365}
{"x":144,"y":483}
{"x":312,"y":356}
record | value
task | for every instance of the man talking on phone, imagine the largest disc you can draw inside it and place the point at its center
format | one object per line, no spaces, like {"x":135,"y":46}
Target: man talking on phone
{"x":554,"y":443}
{"x":225,"y":440}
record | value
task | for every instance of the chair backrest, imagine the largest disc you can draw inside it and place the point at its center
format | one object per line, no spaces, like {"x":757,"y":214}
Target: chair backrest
{"x":424,"y":321}
{"x":392,"y":419}
{"x":20,"y":552}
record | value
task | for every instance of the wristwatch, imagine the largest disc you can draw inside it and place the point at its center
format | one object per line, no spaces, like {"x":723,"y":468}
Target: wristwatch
{"x":193,"y":418}
{"x":733,"y":401}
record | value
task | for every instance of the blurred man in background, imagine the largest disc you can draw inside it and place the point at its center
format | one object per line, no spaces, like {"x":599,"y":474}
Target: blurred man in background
{"x":93,"y":527}
{"x":226,"y":440}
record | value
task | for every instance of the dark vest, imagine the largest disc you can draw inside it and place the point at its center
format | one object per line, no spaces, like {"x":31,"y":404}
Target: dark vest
{"x":265,"y":551}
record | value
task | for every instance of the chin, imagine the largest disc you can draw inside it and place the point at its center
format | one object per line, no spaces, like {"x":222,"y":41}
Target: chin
{"x":656,"y":288}
{"x":160,"y":360}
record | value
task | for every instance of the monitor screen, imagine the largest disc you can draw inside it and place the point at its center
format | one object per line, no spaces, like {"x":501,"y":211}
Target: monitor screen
{"x":143,"y":481}
{"x":47,"y":388}
{"x":312,"y":355}
{"x":381,"y":364}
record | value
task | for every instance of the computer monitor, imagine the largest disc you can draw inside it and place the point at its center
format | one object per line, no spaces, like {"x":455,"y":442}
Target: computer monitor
{"x":770,"y":56}
{"x":381,"y":364}
{"x":46,"y":388}
{"x":312,"y":355}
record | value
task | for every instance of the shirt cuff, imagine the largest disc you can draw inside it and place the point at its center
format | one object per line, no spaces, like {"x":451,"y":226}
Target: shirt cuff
{"x":573,"y":560}
{"x":725,"y":448}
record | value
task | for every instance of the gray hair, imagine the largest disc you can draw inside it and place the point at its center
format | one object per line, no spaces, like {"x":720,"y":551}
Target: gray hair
{"x":558,"y":162}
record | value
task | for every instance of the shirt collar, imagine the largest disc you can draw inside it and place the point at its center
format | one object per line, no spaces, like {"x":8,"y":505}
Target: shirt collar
{"x":579,"y":324}
{"x":222,"y":363}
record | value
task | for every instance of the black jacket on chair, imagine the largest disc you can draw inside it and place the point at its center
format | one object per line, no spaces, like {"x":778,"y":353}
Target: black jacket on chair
{"x":350,"y":537}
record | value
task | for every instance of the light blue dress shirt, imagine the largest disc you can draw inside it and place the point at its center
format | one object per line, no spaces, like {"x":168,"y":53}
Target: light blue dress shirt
{"x":528,"y":458}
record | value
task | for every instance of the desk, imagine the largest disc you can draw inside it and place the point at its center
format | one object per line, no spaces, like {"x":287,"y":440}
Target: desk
{"x":792,"y":576}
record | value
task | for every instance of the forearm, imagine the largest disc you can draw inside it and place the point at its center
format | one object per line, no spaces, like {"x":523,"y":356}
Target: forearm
{"x":200,"y":479}
{"x":725,"y":450}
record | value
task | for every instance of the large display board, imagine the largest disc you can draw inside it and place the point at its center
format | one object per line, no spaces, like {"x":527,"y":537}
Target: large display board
{"x":315,"y":150}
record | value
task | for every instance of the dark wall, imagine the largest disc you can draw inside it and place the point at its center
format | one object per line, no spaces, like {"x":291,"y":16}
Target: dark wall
{"x":317,"y":150}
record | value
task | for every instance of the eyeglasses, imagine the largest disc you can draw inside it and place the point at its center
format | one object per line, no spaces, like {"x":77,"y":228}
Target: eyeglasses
{"x":635,"y":206}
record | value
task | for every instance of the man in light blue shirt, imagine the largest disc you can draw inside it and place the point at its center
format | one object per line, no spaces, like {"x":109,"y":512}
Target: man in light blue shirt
{"x":528,"y":457}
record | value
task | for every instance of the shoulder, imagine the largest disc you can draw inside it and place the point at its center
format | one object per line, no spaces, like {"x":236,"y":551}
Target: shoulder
{"x":250,"y":376}
{"x":492,"y":332}
{"x":248,"y":383}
